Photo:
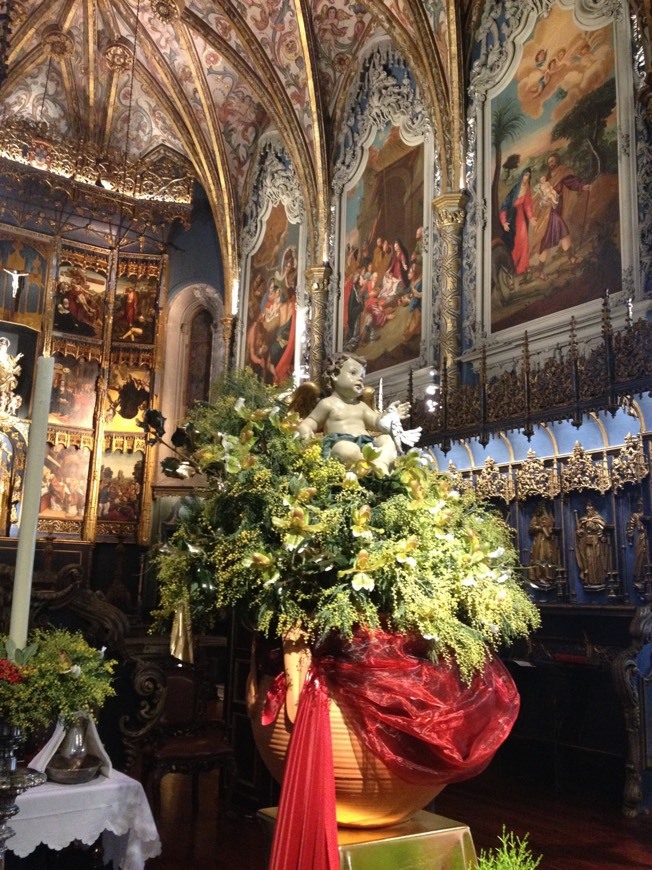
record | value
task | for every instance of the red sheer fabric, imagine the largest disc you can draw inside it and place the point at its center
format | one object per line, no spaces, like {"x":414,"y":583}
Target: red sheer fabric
{"x":418,"y":717}
{"x":305,"y":836}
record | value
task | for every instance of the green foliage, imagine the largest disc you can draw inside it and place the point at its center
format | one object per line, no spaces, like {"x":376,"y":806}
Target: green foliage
{"x":512,"y":854}
{"x":57,"y":675}
{"x":295,"y":540}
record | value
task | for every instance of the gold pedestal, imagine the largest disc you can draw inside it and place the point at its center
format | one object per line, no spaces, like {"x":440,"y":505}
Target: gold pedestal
{"x":424,"y":842}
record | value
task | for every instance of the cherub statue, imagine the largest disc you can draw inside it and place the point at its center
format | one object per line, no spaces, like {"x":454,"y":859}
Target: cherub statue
{"x":347,"y":417}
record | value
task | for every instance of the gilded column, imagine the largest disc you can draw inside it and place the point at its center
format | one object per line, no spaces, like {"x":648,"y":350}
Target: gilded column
{"x":449,"y":217}
{"x":228,"y":329}
{"x":317,"y":282}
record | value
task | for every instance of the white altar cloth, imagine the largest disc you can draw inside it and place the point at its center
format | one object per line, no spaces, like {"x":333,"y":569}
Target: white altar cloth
{"x":114,"y":807}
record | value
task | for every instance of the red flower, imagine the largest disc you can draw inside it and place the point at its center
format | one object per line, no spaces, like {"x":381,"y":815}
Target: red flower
{"x":9,"y":672}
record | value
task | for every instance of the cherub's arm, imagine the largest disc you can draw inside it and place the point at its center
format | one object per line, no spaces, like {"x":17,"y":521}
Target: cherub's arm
{"x":315,"y":421}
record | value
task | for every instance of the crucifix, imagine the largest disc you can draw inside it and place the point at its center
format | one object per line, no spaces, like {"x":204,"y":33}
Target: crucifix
{"x":15,"y":280}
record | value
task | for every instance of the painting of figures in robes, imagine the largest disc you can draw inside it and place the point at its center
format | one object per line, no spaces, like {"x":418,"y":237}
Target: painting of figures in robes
{"x":271,"y":300}
{"x":134,"y":317}
{"x":79,"y":301}
{"x":64,"y":482}
{"x":554,"y":185}
{"x":121,"y":482}
{"x":382,"y":256}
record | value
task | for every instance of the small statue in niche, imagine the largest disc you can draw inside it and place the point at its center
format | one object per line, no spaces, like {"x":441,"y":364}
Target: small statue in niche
{"x":544,"y":555}
{"x":593,"y":548}
{"x":346,"y":416}
{"x":638,"y":537}
{"x":9,"y":371}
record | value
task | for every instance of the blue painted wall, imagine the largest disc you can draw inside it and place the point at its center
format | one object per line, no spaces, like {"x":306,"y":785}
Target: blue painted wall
{"x":195,"y":256}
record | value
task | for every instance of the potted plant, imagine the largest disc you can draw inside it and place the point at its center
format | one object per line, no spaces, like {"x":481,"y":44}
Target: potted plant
{"x":57,"y":676}
{"x":343,"y":563}
{"x":512,"y":853}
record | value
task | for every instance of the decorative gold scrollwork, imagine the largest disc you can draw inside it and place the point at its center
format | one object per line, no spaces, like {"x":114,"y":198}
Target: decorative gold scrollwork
{"x":492,"y":483}
{"x":629,"y":466}
{"x":534,"y":479}
{"x":579,"y":472}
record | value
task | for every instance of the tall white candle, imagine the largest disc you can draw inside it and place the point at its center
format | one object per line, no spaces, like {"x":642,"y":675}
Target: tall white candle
{"x":30,"y":501}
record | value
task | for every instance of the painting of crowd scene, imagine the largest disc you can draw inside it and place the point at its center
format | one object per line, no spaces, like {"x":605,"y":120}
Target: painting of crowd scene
{"x":127,"y":397}
{"x":79,"y":301}
{"x":64,"y":481}
{"x":271,"y":301}
{"x":135,"y":309}
{"x":72,"y":401}
{"x":554,"y":186}
{"x":383,"y":264}
{"x":121,"y":481}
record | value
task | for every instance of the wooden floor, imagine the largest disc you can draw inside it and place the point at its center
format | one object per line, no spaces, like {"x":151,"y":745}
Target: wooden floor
{"x":574,"y":821}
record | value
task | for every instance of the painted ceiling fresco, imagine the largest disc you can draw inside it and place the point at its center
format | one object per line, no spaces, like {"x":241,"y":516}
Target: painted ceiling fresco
{"x":206,"y":79}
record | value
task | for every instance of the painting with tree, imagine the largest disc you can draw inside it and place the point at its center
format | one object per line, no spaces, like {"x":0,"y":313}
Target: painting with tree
{"x":554,"y":180}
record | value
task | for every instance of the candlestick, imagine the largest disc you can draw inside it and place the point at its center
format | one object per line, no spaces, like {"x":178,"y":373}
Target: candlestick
{"x":30,"y":502}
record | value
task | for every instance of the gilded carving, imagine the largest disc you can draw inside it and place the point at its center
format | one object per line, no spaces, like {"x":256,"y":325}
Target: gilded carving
{"x":534,"y":479}
{"x":59,"y":45}
{"x":544,"y":552}
{"x":449,"y":217}
{"x":492,"y":483}
{"x":317,"y":282}
{"x":119,"y":55}
{"x":579,"y":472}
{"x":629,"y":466}
{"x":593,"y":549}
{"x":168,"y":11}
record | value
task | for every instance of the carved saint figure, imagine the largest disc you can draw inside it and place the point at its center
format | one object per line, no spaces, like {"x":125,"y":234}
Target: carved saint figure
{"x":638,"y":537}
{"x":544,"y":556}
{"x":9,"y":371}
{"x":592,"y":548}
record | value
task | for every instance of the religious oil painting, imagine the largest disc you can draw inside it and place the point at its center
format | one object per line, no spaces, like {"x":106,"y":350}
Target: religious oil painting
{"x":134,"y":314}
{"x":382,"y":259}
{"x":79,"y":301}
{"x":554,"y":185}
{"x":23,"y":279}
{"x":271,"y":300}
{"x":72,"y":401}
{"x":127,"y":397}
{"x":121,"y":483}
{"x":64,"y":482}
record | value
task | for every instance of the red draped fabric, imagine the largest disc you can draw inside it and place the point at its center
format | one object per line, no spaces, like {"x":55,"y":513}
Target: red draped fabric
{"x":305,"y":836}
{"x":418,"y":717}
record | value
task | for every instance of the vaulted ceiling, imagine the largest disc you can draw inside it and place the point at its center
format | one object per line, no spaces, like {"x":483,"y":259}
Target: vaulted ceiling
{"x":203,"y":80}
{"x":207,"y":78}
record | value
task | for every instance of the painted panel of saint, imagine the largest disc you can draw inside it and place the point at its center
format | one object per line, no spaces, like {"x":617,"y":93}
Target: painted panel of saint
{"x":381,"y":311}
{"x":64,"y":482}
{"x":271,"y":300}
{"x":555,"y":218}
{"x":72,"y":401}
{"x":79,"y":301}
{"x":121,"y":481}
{"x":127,"y":397}
{"x":135,"y":309}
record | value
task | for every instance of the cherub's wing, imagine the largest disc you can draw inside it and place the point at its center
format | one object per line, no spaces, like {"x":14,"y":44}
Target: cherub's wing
{"x":368,"y":397}
{"x":304,"y":398}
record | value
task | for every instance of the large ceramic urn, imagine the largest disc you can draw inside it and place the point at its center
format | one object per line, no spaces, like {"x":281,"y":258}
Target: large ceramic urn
{"x":368,"y":794}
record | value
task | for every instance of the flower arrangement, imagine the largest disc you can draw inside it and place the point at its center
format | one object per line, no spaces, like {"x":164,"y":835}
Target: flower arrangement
{"x":300,"y":542}
{"x":57,"y":675}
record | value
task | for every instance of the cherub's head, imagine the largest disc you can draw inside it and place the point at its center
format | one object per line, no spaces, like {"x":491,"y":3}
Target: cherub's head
{"x":334,"y":366}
